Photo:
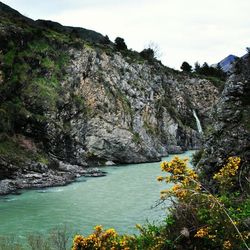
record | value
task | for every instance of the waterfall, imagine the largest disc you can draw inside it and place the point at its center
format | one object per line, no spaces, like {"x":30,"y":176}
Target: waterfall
{"x":198,"y":123}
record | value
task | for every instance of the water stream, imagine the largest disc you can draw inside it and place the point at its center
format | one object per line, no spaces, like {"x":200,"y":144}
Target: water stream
{"x":121,"y":199}
{"x":198,"y":123}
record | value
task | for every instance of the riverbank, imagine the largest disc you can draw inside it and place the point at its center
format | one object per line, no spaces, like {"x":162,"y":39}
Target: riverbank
{"x":123,"y":197}
{"x":38,"y":175}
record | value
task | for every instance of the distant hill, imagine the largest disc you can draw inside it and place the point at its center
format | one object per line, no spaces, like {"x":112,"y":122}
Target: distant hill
{"x":227,"y":63}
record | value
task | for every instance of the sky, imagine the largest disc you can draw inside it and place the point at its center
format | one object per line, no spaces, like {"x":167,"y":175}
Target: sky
{"x":183,"y":30}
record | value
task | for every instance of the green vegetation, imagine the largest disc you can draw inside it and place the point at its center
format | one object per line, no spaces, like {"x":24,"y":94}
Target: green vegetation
{"x":214,"y":74}
{"x":120,"y":44}
{"x":18,"y":149}
{"x":9,"y":57}
{"x":136,"y":138}
{"x":197,"y":218}
{"x":186,"y":67}
{"x":10,"y":149}
{"x":148,"y":54}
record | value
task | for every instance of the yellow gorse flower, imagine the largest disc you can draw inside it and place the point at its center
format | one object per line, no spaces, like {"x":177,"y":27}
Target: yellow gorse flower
{"x":227,"y":244}
{"x":202,"y":232}
{"x":181,"y":175}
{"x":226,"y":174}
{"x":102,"y":239}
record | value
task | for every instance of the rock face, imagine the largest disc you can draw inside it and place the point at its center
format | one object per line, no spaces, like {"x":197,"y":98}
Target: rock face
{"x":136,"y":112}
{"x":69,"y":95}
{"x":230,"y":133}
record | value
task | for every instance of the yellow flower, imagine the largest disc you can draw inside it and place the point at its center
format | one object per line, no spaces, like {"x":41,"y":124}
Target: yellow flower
{"x":229,"y":170}
{"x":202,"y":232}
{"x":98,"y":228}
{"x":111,"y":232}
{"x":227,"y":244}
{"x":163,"y":165}
{"x":160,"y":178}
{"x":176,"y":187}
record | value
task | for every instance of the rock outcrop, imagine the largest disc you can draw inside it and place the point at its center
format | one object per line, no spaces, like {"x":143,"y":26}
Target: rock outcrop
{"x":230,"y":133}
{"x":67,"y":94}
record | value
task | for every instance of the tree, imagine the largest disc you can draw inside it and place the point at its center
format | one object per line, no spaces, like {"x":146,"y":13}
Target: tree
{"x":120,"y":44}
{"x":197,"y":67}
{"x":186,"y":67}
{"x":148,"y":54}
{"x":155,"y":48}
{"x":105,"y":40}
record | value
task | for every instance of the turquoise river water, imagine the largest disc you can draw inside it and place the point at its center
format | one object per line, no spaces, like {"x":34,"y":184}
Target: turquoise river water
{"x":121,"y":199}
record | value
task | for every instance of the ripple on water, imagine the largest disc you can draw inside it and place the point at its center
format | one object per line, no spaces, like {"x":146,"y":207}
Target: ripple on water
{"x":50,"y":190}
{"x":121,"y":199}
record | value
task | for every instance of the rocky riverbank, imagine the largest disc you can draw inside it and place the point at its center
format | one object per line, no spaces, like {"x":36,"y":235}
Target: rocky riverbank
{"x":39,"y":175}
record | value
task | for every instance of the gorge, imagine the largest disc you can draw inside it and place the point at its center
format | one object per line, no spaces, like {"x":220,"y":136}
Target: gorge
{"x":70,"y":98}
{"x":75,"y":105}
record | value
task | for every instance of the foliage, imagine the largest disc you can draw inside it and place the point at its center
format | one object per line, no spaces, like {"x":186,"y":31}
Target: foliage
{"x":186,"y":67}
{"x":136,"y":138}
{"x":152,"y":46}
{"x":197,"y":219}
{"x":197,"y":156}
{"x":102,"y":239}
{"x":216,"y":223}
{"x":120,"y":44}
{"x":147,"y":54}
{"x":210,"y":71}
{"x":226,"y":174}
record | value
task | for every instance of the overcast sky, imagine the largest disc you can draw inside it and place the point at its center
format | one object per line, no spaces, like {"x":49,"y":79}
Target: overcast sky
{"x":185,"y":30}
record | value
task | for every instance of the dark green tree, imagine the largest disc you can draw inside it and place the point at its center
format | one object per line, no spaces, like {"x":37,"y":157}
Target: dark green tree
{"x":186,"y":67}
{"x":120,"y":44}
{"x":105,"y":40}
{"x":148,"y":54}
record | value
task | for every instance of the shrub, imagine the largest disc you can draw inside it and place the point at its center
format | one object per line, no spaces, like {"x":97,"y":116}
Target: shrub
{"x":197,"y":219}
{"x":186,"y":67}
{"x":120,"y":44}
{"x":214,"y":221}
{"x":102,"y":239}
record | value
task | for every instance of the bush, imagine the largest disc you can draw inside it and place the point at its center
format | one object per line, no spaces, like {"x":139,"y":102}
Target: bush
{"x":148,"y":54}
{"x":186,"y":67}
{"x":102,"y":239}
{"x":210,"y":221}
{"x":120,"y":44}
{"x":197,"y":219}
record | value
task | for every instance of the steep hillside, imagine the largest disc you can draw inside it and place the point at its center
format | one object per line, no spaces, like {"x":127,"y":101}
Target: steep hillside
{"x":230,"y":133}
{"x":71,"y":98}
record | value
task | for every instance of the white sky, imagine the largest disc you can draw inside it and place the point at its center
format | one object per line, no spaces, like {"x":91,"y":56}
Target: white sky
{"x":185,"y":30}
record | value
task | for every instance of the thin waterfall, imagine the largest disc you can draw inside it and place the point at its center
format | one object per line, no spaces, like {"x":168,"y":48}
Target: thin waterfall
{"x":198,"y":123}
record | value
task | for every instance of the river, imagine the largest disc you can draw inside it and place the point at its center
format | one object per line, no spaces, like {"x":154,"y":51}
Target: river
{"x":121,"y":199}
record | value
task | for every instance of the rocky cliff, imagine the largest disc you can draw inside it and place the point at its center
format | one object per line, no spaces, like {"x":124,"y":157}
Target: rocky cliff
{"x":70,"y":96}
{"x":230,"y":133}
